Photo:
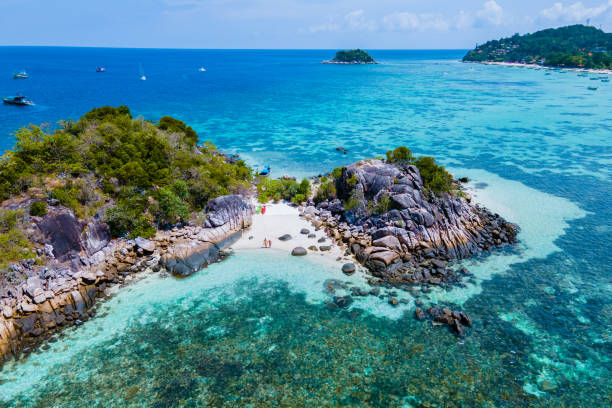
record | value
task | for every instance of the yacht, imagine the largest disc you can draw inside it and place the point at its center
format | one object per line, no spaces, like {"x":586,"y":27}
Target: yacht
{"x":20,"y":75}
{"x":17,"y":100}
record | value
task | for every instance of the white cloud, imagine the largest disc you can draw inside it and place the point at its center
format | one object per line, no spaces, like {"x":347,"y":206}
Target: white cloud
{"x":492,"y":13}
{"x":576,"y":12}
{"x":405,"y":21}
{"x":331,"y":26}
{"x":357,"y":20}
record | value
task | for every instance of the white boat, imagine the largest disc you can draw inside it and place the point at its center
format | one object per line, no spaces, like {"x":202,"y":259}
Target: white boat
{"x":202,"y":69}
{"x":142,"y":75}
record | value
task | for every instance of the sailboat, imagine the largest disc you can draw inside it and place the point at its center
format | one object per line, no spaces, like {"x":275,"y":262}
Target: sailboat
{"x":142,"y":75}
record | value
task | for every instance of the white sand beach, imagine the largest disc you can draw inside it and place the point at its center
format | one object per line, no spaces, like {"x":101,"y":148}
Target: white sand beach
{"x":280,"y":219}
{"x":534,"y":66}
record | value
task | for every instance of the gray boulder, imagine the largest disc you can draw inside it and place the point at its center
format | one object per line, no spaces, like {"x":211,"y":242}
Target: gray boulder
{"x":388,"y":241}
{"x":348,"y":268}
{"x":145,"y":244}
{"x":299,"y":251}
{"x":224,"y":209}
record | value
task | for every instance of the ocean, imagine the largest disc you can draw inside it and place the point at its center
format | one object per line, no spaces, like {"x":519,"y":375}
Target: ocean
{"x":257,"y":329}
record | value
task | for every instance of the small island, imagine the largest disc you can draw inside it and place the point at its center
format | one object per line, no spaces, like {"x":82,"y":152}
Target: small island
{"x":352,"y":57}
{"x":98,"y":201}
{"x":576,"y":46}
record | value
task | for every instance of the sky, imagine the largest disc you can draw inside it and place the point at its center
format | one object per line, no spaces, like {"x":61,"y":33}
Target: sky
{"x":287,"y":24}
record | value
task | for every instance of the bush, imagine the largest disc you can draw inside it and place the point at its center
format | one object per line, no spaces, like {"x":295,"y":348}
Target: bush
{"x":125,"y":222}
{"x":14,"y":245}
{"x":355,"y":200}
{"x":170,"y":209}
{"x":384,"y":203}
{"x":285,"y":189}
{"x":435,"y":178}
{"x":298,"y":199}
{"x":38,"y":208}
{"x":401,"y":155}
{"x":325,"y":191}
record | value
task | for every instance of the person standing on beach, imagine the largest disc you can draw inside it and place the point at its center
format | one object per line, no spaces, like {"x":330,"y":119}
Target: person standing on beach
{"x":265,"y":242}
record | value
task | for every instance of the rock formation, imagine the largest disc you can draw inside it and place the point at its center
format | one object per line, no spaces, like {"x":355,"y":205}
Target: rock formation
{"x":83,"y":262}
{"x":412,"y":240}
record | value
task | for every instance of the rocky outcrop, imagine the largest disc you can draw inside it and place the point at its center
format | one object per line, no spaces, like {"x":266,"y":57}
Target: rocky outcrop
{"x":84,"y":263}
{"x":191,"y":250}
{"x":416,"y":233}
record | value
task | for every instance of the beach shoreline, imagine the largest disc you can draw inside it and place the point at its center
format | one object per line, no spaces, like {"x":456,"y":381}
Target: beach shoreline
{"x":535,"y":66}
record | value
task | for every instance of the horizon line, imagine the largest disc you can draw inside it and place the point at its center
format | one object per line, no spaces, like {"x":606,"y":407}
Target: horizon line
{"x":231,"y":49}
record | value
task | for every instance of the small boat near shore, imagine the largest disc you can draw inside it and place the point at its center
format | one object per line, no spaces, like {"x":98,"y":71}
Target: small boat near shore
{"x":17,"y":100}
{"x":20,"y":75}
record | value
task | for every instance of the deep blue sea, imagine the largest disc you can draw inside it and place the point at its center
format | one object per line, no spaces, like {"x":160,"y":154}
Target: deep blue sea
{"x":256,"y":330}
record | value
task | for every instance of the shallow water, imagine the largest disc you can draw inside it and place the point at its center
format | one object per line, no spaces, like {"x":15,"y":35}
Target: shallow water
{"x":256,"y":330}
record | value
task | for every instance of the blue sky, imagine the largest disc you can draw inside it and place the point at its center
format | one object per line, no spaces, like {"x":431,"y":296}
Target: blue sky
{"x":403,"y":24}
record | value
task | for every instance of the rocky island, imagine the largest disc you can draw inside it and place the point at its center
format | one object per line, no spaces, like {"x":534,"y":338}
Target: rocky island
{"x":576,"y":46}
{"x":351,"y":57}
{"x":99,"y":201}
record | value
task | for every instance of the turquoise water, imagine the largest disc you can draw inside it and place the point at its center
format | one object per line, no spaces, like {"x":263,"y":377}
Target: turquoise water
{"x":257,"y":330}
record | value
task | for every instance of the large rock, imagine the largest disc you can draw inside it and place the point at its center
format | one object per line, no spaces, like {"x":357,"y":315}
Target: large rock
{"x":96,"y":235}
{"x":388,"y":241}
{"x":226,"y":209}
{"x":145,"y":244}
{"x":299,"y":251}
{"x":348,"y":268}
{"x":63,"y":232}
{"x":387,"y":257}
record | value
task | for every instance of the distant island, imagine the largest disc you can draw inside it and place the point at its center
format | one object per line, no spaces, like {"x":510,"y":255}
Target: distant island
{"x":576,"y":46}
{"x":352,"y":57}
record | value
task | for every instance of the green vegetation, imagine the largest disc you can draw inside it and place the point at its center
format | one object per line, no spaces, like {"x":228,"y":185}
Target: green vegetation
{"x":38,"y":208}
{"x":325,"y":191}
{"x":572,"y":46}
{"x":401,"y":155}
{"x":14,"y":245}
{"x":435,"y":177}
{"x":354,"y":56}
{"x":147,"y":175}
{"x":284,"y":189}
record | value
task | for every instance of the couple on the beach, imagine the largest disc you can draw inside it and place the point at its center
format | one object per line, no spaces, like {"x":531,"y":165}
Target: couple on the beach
{"x":267,"y":243}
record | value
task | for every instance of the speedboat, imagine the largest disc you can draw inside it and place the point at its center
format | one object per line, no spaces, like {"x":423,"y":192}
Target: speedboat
{"x":17,"y":100}
{"x":100,"y":69}
{"x":20,"y":75}
{"x":143,"y":78}
{"x":202,"y":69}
